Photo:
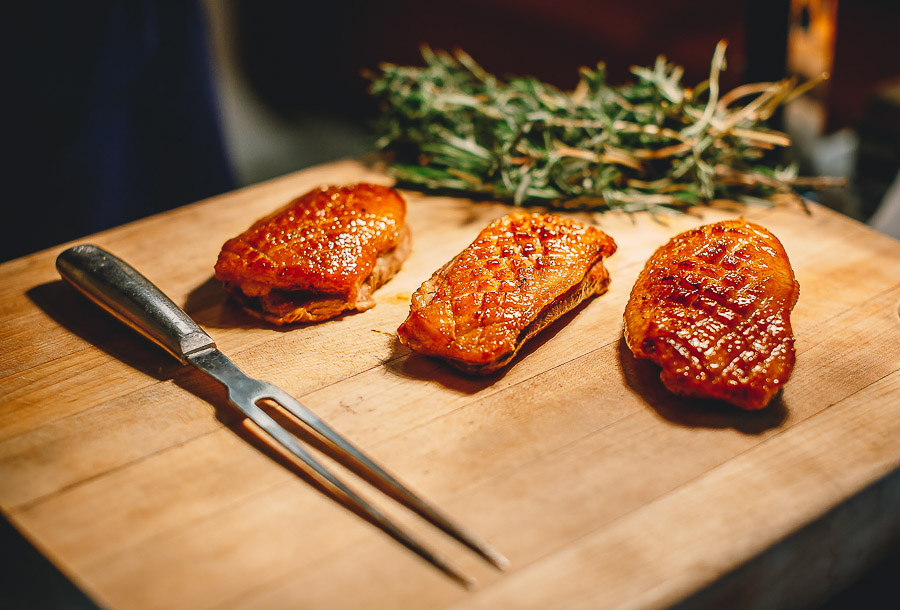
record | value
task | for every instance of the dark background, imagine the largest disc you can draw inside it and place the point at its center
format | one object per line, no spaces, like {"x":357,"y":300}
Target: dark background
{"x":124,"y":109}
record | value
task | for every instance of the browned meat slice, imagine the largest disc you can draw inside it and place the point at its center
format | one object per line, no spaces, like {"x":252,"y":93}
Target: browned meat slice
{"x":712,"y":307}
{"x":520,"y":274}
{"x":322,"y":254}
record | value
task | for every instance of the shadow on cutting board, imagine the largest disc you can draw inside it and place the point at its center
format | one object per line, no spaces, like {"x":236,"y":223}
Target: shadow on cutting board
{"x":29,"y":580}
{"x":210,"y":306}
{"x":74,"y":312}
{"x":642,"y":376}
{"x":215,"y":394}
{"x":81,"y":317}
{"x":430,"y":368}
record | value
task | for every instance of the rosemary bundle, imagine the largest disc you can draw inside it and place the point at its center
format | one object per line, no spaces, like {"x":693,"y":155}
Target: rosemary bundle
{"x":648,"y":145}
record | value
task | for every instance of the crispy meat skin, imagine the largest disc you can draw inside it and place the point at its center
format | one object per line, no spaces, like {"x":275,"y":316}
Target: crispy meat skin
{"x":520,"y":274}
{"x":320,"y":255}
{"x":712,"y":307}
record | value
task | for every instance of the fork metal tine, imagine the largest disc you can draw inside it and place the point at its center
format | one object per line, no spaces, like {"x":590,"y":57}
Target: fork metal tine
{"x":286,"y":440}
{"x":122,"y":291}
{"x":244,"y":392}
{"x":400,"y":491}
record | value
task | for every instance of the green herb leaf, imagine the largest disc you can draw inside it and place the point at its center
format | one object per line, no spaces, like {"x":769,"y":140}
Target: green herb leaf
{"x":648,"y":145}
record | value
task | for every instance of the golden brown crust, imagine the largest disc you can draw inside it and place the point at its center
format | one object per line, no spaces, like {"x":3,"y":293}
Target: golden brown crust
{"x":322,"y":254}
{"x":520,"y":274}
{"x":712,"y":307}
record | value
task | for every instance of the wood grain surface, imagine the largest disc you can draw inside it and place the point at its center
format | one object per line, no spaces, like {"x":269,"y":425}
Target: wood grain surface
{"x":134,"y":476}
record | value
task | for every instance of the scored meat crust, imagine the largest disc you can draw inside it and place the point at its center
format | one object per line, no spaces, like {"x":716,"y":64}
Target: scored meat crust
{"x":322,"y":254}
{"x":520,"y":274}
{"x":712,"y":308}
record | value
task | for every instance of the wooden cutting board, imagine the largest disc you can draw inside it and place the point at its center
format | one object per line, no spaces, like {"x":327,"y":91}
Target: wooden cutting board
{"x":133,"y":475}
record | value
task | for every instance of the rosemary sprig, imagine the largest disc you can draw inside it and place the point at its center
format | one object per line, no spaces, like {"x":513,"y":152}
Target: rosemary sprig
{"x":648,"y":145}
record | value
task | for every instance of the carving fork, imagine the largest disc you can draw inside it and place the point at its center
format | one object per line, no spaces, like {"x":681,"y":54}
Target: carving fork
{"x":129,"y":296}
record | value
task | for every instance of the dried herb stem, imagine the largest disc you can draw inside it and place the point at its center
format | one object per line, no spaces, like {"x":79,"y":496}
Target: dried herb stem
{"x":648,"y":145}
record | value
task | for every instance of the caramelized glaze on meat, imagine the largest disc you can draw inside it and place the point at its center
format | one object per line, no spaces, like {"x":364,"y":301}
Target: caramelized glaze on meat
{"x":712,"y":307}
{"x":320,"y":255}
{"x":521,"y":273}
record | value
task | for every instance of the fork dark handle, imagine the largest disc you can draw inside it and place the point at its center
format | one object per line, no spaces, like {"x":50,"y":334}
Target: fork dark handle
{"x":122,"y":291}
